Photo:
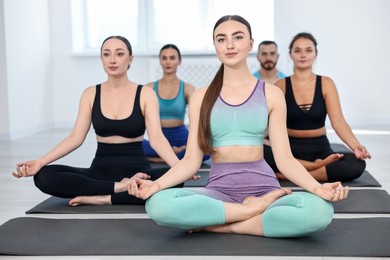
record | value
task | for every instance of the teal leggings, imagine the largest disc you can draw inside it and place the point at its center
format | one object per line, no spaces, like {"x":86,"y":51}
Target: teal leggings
{"x":294,"y":215}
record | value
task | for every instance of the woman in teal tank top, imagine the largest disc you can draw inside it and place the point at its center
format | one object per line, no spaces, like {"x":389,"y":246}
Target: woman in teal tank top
{"x":227,"y":205}
{"x":173,"y":96}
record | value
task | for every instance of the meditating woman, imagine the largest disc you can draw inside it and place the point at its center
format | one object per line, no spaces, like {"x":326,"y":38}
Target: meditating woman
{"x":228,"y":120}
{"x":120,"y":110}
{"x":173,"y":96}
{"x":310,"y":98}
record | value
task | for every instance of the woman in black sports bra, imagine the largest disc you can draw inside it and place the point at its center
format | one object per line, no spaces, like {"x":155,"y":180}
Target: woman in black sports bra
{"x":120,"y":111}
{"x":309,"y":99}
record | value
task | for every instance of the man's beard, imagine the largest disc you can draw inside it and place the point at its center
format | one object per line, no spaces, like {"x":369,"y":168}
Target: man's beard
{"x":266,"y":67}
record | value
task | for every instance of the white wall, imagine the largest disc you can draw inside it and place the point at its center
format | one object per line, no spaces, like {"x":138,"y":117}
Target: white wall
{"x":27,"y":59}
{"x":44,"y":80}
{"x":353,"y":49}
{"x":4,"y":119}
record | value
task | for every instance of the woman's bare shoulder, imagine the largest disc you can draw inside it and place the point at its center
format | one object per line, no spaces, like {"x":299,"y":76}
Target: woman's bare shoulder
{"x":272,"y":89}
{"x":327,"y":81}
{"x":281,"y":83}
{"x":89,"y":91}
{"x":200,"y":92}
{"x":274,"y":95}
{"x":150,"y":84}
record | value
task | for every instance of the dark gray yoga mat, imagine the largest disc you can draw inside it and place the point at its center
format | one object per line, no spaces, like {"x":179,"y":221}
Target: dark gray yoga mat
{"x":55,"y":205}
{"x":364,"y":201}
{"x":39,"y":236}
{"x":205,"y":165}
{"x":338,"y":147}
{"x":359,"y":201}
{"x":365,"y":180}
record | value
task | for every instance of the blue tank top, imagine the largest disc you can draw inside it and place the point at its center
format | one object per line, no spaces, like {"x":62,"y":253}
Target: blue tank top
{"x":243,"y":124}
{"x":172,"y":108}
{"x":130,"y":127}
{"x":280,"y":74}
{"x":299,"y":119}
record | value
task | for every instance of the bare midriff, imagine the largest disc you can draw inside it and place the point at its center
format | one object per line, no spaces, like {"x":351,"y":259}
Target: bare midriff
{"x":238,"y":153}
{"x":168,"y":123}
{"x":306,"y":133}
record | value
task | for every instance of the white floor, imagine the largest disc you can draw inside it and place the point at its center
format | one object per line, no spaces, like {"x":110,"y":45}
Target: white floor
{"x":19,"y":195}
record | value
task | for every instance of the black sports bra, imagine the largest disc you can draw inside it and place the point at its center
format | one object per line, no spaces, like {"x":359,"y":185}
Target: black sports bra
{"x":297,"y":118}
{"x":130,"y":127}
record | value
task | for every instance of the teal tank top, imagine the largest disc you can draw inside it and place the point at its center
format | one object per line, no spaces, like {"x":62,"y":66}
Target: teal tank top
{"x":243,"y":124}
{"x":172,"y":108}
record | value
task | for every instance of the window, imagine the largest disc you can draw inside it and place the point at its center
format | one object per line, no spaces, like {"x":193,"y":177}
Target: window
{"x":149,"y":24}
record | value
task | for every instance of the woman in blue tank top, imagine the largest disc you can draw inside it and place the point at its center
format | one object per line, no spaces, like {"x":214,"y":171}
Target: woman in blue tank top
{"x":118,"y":110}
{"x":173,"y":96}
{"x":310,"y":98}
{"x":228,"y":120}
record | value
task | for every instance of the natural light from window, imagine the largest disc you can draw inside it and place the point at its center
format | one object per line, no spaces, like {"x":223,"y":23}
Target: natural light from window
{"x":149,"y":24}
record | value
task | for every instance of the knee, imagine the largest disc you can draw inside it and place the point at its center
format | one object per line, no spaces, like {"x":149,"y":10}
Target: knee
{"x":48,"y":181}
{"x":296,"y":215}
{"x":323,"y":217}
{"x":319,"y":214}
{"x":40,"y":179}
{"x":161,"y":207}
{"x":359,"y":166}
{"x":348,"y":169}
{"x":154,"y":207}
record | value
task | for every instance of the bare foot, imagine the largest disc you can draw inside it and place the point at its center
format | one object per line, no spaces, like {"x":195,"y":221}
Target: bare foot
{"x":312,"y":166}
{"x":140,"y":175}
{"x":330,"y":159}
{"x":122,"y":185}
{"x":178,"y":149}
{"x":260,"y":204}
{"x":196,"y":230}
{"x":280,"y":176}
{"x":90,"y":200}
{"x":155,"y":159}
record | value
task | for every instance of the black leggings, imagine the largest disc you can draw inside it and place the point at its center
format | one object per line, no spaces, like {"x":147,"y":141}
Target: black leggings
{"x":311,"y":149}
{"x":111,"y":164}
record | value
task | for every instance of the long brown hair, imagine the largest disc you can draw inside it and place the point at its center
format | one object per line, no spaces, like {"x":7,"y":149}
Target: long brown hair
{"x":212,"y":93}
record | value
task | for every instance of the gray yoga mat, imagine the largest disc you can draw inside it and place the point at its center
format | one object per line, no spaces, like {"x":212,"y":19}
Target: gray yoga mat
{"x":55,"y":205}
{"x":205,"y":165}
{"x":364,"y":201}
{"x":39,"y":236}
{"x":338,"y":147}
{"x":359,"y":201}
{"x":365,"y":180}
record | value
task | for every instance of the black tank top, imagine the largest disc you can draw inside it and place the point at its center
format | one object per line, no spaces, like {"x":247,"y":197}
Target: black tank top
{"x":130,"y":127}
{"x":298,"y":119}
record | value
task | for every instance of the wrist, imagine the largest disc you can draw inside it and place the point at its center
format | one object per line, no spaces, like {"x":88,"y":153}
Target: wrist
{"x":157,"y":186}
{"x":41,"y":162}
{"x":315,"y":189}
{"x":357,"y":146}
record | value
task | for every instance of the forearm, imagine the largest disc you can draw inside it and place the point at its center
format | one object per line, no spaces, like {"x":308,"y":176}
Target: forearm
{"x":344,"y":131}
